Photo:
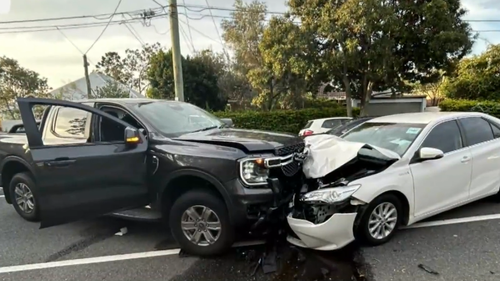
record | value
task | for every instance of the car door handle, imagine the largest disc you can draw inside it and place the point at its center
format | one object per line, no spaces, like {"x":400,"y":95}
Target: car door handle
{"x":60,"y":162}
{"x":465,"y":159}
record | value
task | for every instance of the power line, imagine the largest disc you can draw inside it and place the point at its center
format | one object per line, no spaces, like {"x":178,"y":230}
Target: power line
{"x":213,"y":20}
{"x":41,"y":28}
{"x":106,"y":27}
{"x":203,"y":34}
{"x":185,"y":37}
{"x":189,"y":27}
{"x":95,"y":16}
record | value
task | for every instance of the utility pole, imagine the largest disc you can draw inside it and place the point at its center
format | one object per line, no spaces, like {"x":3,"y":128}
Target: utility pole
{"x":176,"y":51}
{"x":86,"y":67}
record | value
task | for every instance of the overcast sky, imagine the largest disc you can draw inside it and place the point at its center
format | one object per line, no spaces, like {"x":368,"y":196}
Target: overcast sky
{"x":54,"y":57}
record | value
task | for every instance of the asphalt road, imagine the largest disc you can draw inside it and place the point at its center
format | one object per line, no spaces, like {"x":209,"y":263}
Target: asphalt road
{"x":462,"y":252}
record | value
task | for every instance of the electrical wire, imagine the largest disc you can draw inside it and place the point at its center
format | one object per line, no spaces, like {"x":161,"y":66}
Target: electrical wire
{"x":215,"y":24}
{"x":203,"y":34}
{"x":184,"y":35}
{"x":96,"y":16}
{"x":188,"y":25}
{"x":106,"y":27}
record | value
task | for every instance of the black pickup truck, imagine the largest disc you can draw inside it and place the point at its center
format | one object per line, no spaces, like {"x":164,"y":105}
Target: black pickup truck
{"x":116,"y":156}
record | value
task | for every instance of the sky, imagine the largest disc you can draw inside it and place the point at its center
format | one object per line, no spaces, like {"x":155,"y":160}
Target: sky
{"x":59,"y":58}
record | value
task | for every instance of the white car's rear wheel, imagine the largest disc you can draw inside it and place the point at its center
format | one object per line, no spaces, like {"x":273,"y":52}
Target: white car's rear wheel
{"x":381,"y":220}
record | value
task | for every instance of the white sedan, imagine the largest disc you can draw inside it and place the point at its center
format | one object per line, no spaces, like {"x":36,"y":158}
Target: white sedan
{"x":393,"y":171}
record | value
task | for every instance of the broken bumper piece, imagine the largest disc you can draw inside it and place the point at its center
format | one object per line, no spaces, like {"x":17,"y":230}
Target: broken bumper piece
{"x":333,"y":234}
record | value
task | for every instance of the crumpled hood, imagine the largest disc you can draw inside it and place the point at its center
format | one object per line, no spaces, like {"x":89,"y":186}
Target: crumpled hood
{"x":327,"y":153}
{"x":246,"y":140}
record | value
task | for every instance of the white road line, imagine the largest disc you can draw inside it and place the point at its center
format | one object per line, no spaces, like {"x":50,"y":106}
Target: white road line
{"x":2,"y":196}
{"x":26,"y":267}
{"x":454,"y":221}
{"x":35,"y":266}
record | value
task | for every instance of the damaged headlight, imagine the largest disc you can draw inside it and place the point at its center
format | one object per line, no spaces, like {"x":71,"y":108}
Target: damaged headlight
{"x":330,"y":195}
{"x":253,"y":172}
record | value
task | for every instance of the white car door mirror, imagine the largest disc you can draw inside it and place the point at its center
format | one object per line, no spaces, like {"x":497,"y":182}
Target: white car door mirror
{"x":429,"y":153}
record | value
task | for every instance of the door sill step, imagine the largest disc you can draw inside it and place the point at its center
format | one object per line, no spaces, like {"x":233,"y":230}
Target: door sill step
{"x":139,"y":214}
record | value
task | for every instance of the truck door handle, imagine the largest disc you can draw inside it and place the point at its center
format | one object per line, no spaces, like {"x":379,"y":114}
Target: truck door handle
{"x":60,"y":162}
{"x":465,"y":159}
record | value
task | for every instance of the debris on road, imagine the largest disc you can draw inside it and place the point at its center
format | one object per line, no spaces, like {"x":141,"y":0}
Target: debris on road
{"x":427,"y":269}
{"x":122,"y":231}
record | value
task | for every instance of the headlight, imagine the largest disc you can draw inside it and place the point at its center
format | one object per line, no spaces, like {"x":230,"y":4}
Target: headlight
{"x":330,"y":195}
{"x":253,"y":172}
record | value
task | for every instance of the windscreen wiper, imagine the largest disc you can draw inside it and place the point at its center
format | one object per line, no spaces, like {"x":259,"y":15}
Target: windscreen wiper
{"x":205,"y":129}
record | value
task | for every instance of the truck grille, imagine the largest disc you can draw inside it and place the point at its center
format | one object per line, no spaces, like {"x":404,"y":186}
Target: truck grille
{"x":287,"y":150}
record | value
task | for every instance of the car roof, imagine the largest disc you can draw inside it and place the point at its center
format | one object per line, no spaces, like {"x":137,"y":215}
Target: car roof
{"x":125,"y":101}
{"x":421,"y":117}
{"x":329,"y":118}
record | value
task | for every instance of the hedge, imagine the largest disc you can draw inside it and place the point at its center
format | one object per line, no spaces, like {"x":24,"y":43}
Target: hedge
{"x":489,"y":107}
{"x":288,"y":121}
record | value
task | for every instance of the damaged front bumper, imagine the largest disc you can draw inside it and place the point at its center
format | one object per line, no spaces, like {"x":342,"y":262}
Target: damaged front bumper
{"x":333,"y":234}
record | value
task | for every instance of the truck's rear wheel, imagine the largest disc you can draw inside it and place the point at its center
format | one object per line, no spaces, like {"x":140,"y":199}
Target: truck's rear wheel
{"x":23,"y":197}
{"x":200,"y":223}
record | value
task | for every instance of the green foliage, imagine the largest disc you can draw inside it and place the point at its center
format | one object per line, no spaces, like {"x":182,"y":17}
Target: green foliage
{"x":289,"y":121}
{"x":488,"y":107}
{"x":200,"y":75}
{"x":476,"y":77}
{"x":17,"y":81}
{"x":112,"y":89}
{"x":130,"y":70}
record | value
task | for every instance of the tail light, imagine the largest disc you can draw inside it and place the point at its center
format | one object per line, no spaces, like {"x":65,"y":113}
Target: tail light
{"x":307,"y":133}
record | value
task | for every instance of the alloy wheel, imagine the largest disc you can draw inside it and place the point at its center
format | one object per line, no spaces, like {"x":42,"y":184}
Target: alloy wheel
{"x":383,"y":220}
{"x":24,"y":198}
{"x":201,"y":225}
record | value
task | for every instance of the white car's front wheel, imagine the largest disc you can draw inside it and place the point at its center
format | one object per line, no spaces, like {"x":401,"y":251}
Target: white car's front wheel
{"x":381,"y":220}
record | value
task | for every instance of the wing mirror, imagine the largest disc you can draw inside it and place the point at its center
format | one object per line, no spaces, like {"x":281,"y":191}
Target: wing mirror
{"x":228,"y":122}
{"x":132,"y":136}
{"x":429,"y":153}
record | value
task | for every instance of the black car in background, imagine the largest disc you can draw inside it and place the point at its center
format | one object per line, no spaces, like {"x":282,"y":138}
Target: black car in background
{"x":347,"y":127}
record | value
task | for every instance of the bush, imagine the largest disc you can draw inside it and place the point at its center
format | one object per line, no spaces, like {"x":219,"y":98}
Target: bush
{"x":288,"y":121}
{"x":489,"y":107}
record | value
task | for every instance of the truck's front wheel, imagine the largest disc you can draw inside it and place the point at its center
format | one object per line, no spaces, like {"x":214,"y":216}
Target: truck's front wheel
{"x":200,"y":223}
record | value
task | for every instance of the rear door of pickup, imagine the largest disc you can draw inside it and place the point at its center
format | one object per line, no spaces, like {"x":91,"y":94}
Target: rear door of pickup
{"x":77,"y":176}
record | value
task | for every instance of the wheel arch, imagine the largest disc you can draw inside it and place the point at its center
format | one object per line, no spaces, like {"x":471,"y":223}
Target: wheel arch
{"x":405,"y":204}
{"x":10,"y":166}
{"x":182,"y":181}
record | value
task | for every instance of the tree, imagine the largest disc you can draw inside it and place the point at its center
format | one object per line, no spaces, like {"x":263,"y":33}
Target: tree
{"x":243,"y":33}
{"x":112,"y":89}
{"x":476,"y":77}
{"x":17,"y":81}
{"x":200,"y":80}
{"x":369,"y":45}
{"x":130,"y":70}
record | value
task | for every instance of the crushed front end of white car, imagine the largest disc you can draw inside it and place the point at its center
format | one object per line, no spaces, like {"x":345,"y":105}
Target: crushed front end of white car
{"x":324,"y":213}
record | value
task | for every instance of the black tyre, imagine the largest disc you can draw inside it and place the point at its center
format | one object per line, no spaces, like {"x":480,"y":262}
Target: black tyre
{"x":23,"y":195}
{"x":200,"y":223}
{"x":380,"y":220}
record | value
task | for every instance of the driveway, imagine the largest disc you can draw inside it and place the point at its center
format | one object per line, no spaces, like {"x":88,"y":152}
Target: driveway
{"x":91,"y":250}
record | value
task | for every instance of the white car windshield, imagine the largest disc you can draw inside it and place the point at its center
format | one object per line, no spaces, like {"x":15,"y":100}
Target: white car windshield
{"x":393,"y":136}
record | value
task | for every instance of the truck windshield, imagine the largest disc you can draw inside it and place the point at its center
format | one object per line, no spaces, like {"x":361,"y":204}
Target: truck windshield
{"x":176,"y":118}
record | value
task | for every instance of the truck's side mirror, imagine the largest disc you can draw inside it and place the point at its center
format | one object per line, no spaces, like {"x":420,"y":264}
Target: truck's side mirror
{"x":132,"y":136}
{"x":228,"y":122}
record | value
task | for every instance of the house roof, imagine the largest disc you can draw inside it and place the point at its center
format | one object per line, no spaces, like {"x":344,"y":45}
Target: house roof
{"x":78,"y":88}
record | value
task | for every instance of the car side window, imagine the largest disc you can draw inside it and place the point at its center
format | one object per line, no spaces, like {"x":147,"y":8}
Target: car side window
{"x":331,"y":123}
{"x":445,"y":136}
{"x":70,"y":123}
{"x":496,"y":130}
{"x":477,"y":130}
